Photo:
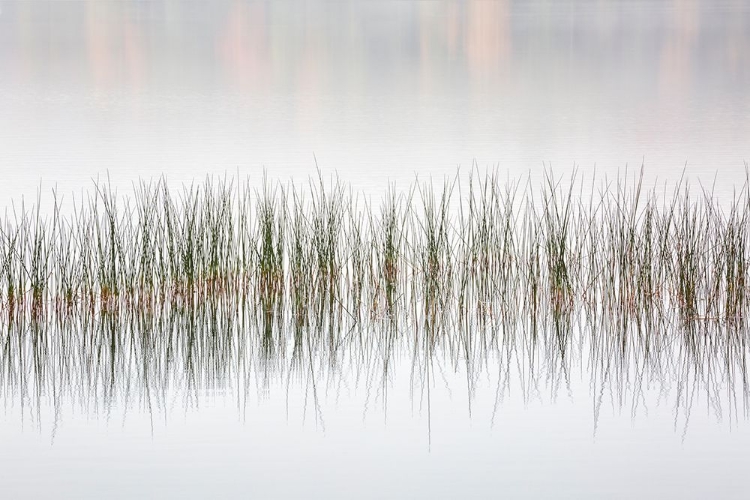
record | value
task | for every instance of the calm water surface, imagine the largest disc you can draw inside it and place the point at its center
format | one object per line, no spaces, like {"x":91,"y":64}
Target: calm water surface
{"x":374,"y":90}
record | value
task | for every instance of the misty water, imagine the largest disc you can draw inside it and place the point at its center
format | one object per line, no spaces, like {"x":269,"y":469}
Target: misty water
{"x":230,"y":396}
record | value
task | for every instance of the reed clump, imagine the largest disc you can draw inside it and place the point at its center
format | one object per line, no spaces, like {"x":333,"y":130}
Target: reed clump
{"x":485,"y":249}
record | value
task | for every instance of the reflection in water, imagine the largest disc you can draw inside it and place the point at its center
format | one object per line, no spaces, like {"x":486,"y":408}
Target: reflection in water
{"x":115,"y":41}
{"x":148,"y":358}
{"x":226,"y":288}
{"x":386,"y":87}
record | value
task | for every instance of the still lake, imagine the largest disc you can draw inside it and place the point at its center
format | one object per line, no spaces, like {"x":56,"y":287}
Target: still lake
{"x":376,"y":91}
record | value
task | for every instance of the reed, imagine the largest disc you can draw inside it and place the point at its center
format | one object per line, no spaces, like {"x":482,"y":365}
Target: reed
{"x":483,"y":251}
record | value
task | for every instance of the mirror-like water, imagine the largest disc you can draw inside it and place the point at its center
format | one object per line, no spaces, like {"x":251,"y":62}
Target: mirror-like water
{"x":556,"y":338}
{"x":371,"y":88}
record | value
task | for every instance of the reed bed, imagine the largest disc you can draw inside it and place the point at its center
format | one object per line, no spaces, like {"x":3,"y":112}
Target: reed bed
{"x":131,"y":296}
{"x":483,"y":248}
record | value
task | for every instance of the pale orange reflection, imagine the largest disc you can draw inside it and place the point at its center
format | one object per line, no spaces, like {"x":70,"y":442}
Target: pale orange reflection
{"x":114,"y":45}
{"x":488,"y":43}
{"x":676,"y":55}
{"x":242,"y":46}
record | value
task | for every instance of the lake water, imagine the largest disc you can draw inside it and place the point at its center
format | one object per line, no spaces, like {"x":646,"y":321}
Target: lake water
{"x":377,"y":91}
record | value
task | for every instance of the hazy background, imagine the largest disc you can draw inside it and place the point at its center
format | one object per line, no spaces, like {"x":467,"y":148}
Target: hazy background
{"x":374,"y":89}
